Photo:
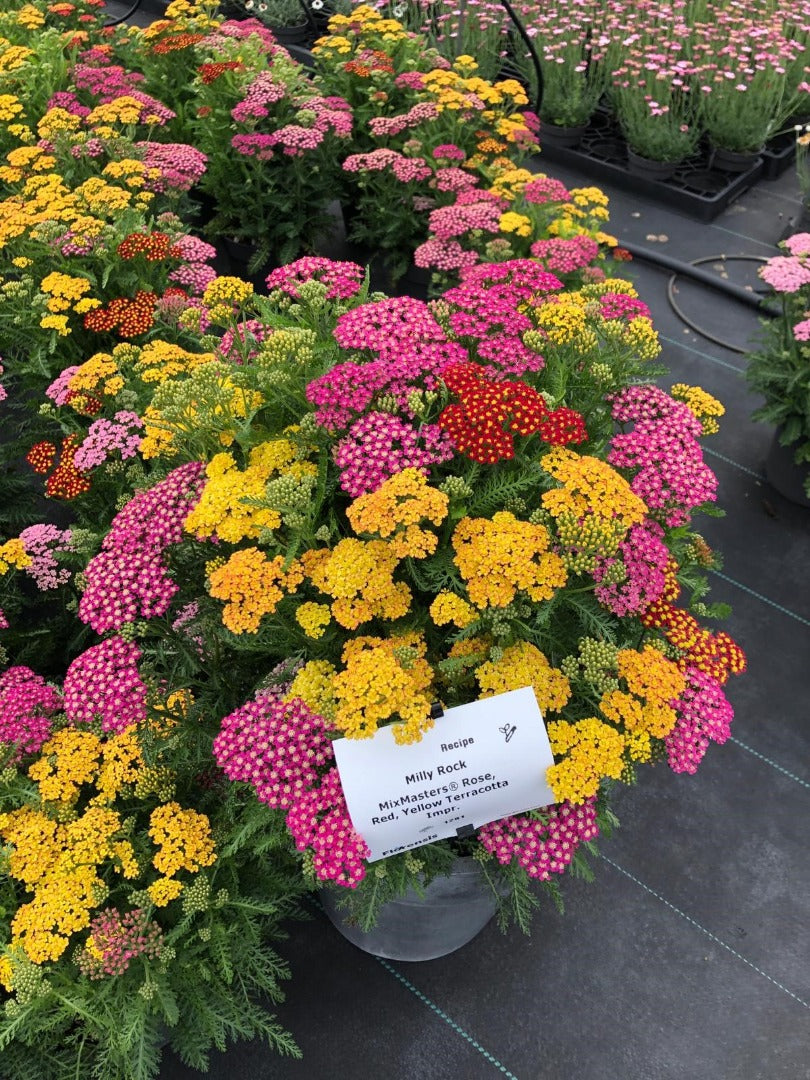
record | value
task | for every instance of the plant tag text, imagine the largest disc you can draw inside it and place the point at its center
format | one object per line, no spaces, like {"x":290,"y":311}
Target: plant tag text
{"x":480,"y":762}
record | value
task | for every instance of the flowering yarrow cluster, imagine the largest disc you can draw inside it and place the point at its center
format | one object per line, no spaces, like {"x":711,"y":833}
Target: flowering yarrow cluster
{"x":672,"y":477}
{"x":42,"y":543}
{"x":542,"y":847}
{"x":107,"y":437}
{"x":379,"y":445}
{"x":128,"y":578}
{"x":320,"y":821}
{"x":276,"y":746}
{"x":704,"y":715}
{"x":104,"y":684}
{"x":27,"y":706}
{"x":343,"y":279}
{"x":116,"y":940}
{"x":643,"y":554}
{"x":171,"y":166}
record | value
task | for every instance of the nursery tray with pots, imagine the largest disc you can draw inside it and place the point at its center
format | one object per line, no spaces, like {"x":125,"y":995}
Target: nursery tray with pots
{"x":695,"y":188}
{"x":778,"y":155}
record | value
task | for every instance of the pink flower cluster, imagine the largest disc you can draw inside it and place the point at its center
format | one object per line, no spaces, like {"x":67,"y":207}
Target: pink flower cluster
{"x":545,"y":189}
{"x":381,"y":325}
{"x":105,"y":83}
{"x":43,"y":542}
{"x":262,"y":92}
{"x":3,"y":391}
{"x":27,"y":706}
{"x":320,"y":821}
{"x":672,"y":477}
{"x":60,"y":387}
{"x":107,"y":437}
{"x":704,"y":715}
{"x":379,"y":445}
{"x":67,"y":100}
{"x":276,"y":746}
{"x":117,"y":940}
{"x":644,"y":556}
{"x":408,"y":170}
{"x":239,"y":344}
{"x":565,"y":255}
{"x":542,"y":848}
{"x":180,"y":165}
{"x":128,"y":578}
{"x":104,"y":684}
{"x":395,"y":125}
{"x":786,"y":273}
{"x":343,"y":279}
{"x":621,"y":306}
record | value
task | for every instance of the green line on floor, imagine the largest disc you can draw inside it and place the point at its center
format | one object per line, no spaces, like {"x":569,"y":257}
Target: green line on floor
{"x":768,"y":761}
{"x":744,"y":236}
{"x":736,"y":464}
{"x":703,"y":930}
{"x":705,"y":355}
{"x":440,"y":1012}
{"x":764,"y":599}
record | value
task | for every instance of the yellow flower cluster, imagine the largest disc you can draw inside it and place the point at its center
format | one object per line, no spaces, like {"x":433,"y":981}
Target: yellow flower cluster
{"x":705,"y":407}
{"x":134,"y":173}
{"x":69,"y":760}
{"x":121,"y":110}
{"x":592,"y":750}
{"x":347,"y":32}
{"x":10,"y":107}
{"x":510,"y":222}
{"x":499,"y":557}
{"x":653,"y":682}
{"x":565,"y":322}
{"x":13,"y":57}
{"x":313,"y":684}
{"x":100,"y":375}
{"x":449,"y":608}
{"x":30,"y":18}
{"x":357,"y":574}
{"x":521,"y":665}
{"x":593,"y":509}
{"x":222,"y":511}
{"x":56,"y":122}
{"x":13,"y":554}
{"x":509,"y":183}
{"x":396,"y":510}
{"x":313,"y":618}
{"x":96,"y":196}
{"x":251,"y":586}
{"x":183,"y":839}
{"x":378,"y":684}
{"x":160,"y":360}
{"x":224,"y":296}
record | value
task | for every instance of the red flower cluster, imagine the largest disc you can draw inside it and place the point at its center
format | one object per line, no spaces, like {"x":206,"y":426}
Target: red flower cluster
{"x":481,"y":426}
{"x":154,"y":246}
{"x":211,"y":72}
{"x":41,"y":457}
{"x":370,"y":60}
{"x":718,"y":655}
{"x":66,"y":482}
{"x":176,"y":42}
{"x":129,"y":317}
{"x":84,"y":404}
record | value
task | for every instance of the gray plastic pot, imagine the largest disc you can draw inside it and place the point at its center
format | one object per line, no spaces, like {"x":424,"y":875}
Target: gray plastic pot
{"x":453,"y":911}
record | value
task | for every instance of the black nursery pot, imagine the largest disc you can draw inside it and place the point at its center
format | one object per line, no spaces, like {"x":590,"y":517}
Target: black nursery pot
{"x":238,"y":255}
{"x":784,"y":475}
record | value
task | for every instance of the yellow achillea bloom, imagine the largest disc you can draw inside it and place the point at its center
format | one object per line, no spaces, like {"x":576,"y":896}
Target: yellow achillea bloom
{"x":500,"y":557}
{"x":55,"y":121}
{"x":357,"y":574}
{"x":449,"y":608}
{"x":705,"y":407}
{"x":313,"y":685}
{"x":30,"y":18}
{"x":592,"y":750}
{"x":510,"y":182}
{"x":251,"y":586}
{"x":98,"y":375}
{"x":523,"y":664}
{"x":511,"y":222}
{"x":653,"y":683}
{"x":377,"y":686}
{"x":595,"y":506}
{"x":396,"y":510}
{"x":313,"y":618}
{"x":159,"y":360}
{"x":13,"y":554}
{"x":221,"y":510}
{"x":565,"y":322}
{"x":183,"y":839}
{"x":99,"y":197}
{"x":224,"y":295}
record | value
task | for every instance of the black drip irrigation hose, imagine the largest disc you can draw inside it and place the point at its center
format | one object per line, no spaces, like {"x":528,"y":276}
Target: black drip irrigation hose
{"x":123,"y":18}
{"x":692,"y":270}
{"x":517,"y":22}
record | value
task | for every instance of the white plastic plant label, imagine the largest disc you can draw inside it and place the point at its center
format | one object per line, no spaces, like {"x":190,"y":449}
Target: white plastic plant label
{"x":480,"y":762}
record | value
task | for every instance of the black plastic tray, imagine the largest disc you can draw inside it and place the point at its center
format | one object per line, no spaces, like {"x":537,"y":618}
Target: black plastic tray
{"x":778,"y":155}
{"x":694,"y":189}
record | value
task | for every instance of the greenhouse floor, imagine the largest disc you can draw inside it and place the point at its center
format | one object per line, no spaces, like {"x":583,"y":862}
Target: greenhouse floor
{"x":688,"y":958}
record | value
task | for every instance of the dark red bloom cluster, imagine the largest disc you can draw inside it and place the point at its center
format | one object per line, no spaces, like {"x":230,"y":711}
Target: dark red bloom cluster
{"x":718,"y":655}
{"x":211,"y":72}
{"x":370,"y":60}
{"x":481,"y":425}
{"x":154,"y":246}
{"x":85,"y":404}
{"x":129,"y":317}
{"x":41,"y":457}
{"x":66,"y":482}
